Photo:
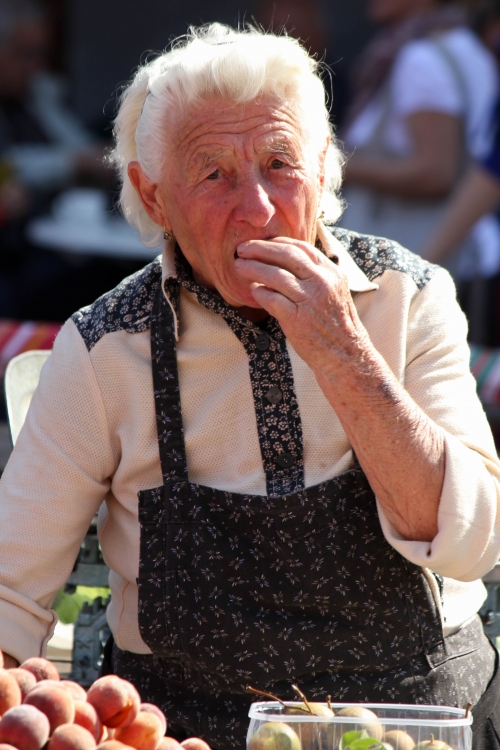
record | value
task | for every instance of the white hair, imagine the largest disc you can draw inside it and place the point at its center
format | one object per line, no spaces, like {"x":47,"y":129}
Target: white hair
{"x":210,"y":61}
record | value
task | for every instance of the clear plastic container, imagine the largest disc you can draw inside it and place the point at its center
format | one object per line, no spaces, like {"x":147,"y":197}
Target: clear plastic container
{"x":272,"y":727}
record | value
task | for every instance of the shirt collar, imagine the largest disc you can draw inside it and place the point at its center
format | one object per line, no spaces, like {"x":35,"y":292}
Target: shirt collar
{"x":357,"y":280}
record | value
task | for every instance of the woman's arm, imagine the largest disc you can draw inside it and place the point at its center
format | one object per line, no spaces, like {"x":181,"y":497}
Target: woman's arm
{"x":401,"y":450}
{"x":428,"y":172}
{"x":477,"y":195}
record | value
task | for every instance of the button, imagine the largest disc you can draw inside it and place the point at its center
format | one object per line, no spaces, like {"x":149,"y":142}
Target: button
{"x":285,"y":460}
{"x":274,"y":395}
{"x":263,"y":342}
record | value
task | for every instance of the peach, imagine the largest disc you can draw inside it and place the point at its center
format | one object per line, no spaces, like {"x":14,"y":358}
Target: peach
{"x":194,"y":743}
{"x":167,"y":743}
{"x":86,"y":716}
{"x":115,"y":700}
{"x":54,"y":702}
{"x":112,"y":745}
{"x":43,"y":669}
{"x":74,"y":689}
{"x":1,"y":659}
{"x":3,"y":746}
{"x":144,"y":733}
{"x":25,"y":727}
{"x":26,"y":680}
{"x":45,"y":683}
{"x":151,"y":708}
{"x":71,"y":737}
{"x":10,"y":692}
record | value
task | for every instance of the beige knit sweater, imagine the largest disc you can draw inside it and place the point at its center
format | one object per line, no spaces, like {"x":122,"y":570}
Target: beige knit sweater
{"x":89,"y":441}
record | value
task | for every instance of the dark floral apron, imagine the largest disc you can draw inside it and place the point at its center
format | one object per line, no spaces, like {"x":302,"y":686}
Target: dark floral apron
{"x":298,"y":585}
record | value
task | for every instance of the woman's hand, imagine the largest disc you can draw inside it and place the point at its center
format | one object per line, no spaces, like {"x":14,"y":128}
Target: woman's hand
{"x":400,"y":449}
{"x":309,"y":295}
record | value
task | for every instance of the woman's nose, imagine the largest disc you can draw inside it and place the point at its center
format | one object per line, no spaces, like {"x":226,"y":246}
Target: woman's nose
{"x":254,"y":202}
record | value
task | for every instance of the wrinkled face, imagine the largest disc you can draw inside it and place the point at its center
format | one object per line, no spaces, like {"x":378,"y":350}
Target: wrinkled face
{"x":394,"y":11}
{"x":236,"y":173}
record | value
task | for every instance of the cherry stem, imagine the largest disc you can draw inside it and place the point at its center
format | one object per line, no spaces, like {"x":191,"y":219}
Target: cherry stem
{"x":299,"y":692}
{"x":264,"y":694}
{"x":329,"y":702}
{"x":467,"y":709}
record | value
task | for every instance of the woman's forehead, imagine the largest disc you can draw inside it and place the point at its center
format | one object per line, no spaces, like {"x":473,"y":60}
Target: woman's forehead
{"x":218,"y":122}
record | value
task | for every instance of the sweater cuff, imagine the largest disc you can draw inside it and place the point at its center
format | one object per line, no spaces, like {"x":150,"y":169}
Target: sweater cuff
{"x":25,"y":628}
{"x":467,"y":544}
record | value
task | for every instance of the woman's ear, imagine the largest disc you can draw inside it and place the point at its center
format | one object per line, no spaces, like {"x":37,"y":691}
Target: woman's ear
{"x":148,"y":192}
{"x":321,"y":164}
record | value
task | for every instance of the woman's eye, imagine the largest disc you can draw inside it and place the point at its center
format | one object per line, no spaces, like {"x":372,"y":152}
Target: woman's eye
{"x":277,"y":164}
{"x":214,"y":176}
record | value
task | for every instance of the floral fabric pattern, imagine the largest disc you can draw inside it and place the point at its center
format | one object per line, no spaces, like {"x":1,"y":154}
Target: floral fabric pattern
{"x":276,"y":408}
{"x":374,"y":255}
{"x":269,"y":590}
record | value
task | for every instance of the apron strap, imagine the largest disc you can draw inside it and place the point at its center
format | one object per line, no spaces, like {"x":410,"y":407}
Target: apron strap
{"x":166,"y":386}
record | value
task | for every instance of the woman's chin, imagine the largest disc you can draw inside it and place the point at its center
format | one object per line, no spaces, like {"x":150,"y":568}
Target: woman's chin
{"x":241,"y":296}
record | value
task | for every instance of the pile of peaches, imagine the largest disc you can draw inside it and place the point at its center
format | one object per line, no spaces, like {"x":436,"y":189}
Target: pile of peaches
{"x":39,"y":710}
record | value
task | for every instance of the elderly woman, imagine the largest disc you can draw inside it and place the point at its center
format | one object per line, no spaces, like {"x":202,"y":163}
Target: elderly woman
{"x":275,"y":419}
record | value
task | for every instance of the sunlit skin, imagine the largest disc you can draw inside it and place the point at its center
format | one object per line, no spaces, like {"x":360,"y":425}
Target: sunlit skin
{"x":240,"y":190}
{"x":234,"y":174}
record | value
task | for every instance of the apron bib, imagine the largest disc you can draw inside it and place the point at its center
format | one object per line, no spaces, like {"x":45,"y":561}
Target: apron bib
{"x":238,"y":590}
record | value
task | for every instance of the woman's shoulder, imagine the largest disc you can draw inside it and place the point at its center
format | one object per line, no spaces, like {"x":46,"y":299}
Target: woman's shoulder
{"x":127,"y":307}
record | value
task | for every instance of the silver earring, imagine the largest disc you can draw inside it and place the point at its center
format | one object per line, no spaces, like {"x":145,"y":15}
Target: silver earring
{"x":322,"y":215}
{"x":167,"y":235}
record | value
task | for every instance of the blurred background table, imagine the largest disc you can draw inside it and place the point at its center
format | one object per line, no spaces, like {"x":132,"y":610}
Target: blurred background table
{"x":111,"y":238}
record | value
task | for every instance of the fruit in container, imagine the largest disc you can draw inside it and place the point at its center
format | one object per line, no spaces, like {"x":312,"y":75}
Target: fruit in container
{"x":311,"y":733}
{"x":275,"y":735}
{"x":366,"y":718}
{"x":398,"y":740}
{"x":432,"y":744}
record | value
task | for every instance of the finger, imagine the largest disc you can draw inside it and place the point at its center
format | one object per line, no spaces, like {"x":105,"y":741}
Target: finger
{"x":281,"y":255}
{"x":274,"y":303}
{"x":298,"y":259}
{"x":272,"y":277}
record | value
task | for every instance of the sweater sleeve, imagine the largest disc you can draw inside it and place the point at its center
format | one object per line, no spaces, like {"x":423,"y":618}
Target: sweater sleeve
{"x":438,"y":378}
{"x":55,"y":480}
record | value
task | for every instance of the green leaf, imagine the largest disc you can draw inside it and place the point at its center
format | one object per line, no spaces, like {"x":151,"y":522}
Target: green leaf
{"x":369,"y":743}
{"x":349,"y":737}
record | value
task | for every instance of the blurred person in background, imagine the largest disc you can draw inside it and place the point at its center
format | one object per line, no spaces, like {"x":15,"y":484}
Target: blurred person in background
{"x":477,"y":195}
{"x":43,"y":149}
{"x":425,"y":90}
